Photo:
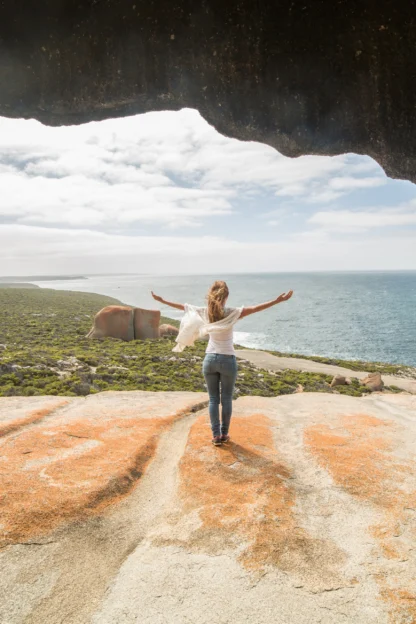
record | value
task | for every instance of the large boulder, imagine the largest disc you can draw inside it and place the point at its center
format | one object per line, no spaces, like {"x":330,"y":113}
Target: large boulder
{"x":338,"y":380}
{"x":374,"y":382}
{"x":126,"y":323}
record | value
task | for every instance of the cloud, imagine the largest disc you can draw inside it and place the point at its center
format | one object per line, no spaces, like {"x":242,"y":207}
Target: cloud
{"x":77,"y":200}
{"x":31,"y":250}
{"x":164,"y":192}
{"x":350,"y":183}
{"x":168,"y":169}
{"x":362,"y":220}
{"x":335,"y":187}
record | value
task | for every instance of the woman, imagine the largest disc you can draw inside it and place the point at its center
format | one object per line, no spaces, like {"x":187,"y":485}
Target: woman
{"x":220,"y":364}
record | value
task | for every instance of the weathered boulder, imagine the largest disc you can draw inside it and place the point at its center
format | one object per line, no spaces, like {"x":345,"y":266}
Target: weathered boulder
{"x":168,"y":330}
{"x":305,"y":77}
{"x":338,"y":380}
{"x":126,"y":323}
{"x":146,"y":323}
{"x":373,"y":381}
{"x":118,"y":504}
{"x":114,"y":321}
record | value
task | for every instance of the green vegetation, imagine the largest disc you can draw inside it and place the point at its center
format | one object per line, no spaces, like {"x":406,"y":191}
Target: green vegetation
{"x":356,"y":365}
{"x":43,"y":351}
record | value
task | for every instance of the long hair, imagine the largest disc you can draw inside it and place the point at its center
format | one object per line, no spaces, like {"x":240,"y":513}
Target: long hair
{"x":216,"y":298}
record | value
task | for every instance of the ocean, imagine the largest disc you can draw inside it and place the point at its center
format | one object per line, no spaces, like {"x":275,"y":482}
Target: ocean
{"x":357,"y":316}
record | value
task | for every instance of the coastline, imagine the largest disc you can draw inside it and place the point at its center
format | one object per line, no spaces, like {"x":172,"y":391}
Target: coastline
{"x":343,"y":316}
{"x":44,"y":351}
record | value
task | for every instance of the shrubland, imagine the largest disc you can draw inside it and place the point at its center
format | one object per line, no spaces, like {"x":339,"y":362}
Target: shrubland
{"x":44,"y":351}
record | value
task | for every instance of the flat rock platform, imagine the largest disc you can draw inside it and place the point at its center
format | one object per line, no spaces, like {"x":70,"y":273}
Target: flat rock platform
{"x":117,"y":509}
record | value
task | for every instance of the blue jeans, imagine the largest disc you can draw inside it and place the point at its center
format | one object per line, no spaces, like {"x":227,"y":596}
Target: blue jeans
{"x":220,"y":372}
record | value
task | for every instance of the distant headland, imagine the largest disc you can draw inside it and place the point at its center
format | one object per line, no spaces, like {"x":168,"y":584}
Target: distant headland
{"x":39,"y":278}
{"x":18,"y":285}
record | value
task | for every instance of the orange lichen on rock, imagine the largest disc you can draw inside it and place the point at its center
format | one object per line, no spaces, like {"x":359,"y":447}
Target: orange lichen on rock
{"x":358,"y":452}
{"x":353,"y":452}
{"x":403,"y":605}
{"x":67,"y":470}
{"x":34,"y":416}
{"x":244,"y":500}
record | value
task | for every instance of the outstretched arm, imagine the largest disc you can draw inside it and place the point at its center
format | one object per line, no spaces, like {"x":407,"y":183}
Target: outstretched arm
{"x":268,"y":304}
{"x":178,"y":306}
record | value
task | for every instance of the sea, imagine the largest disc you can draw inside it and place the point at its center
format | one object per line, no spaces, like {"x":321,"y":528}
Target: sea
{"x":355,"y":316}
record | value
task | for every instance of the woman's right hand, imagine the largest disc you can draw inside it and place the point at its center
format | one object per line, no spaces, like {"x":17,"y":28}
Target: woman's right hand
{"x":284,"y":296}
{"x":156,"y":297}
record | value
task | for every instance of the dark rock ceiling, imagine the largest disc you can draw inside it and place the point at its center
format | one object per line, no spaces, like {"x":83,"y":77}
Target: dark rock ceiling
{"x":307,"y":77}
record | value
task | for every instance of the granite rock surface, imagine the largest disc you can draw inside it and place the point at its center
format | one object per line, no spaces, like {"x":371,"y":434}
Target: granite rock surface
{"x":116,"y":508}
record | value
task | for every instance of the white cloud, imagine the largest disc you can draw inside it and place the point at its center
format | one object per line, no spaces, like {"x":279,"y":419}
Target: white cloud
{"x":85,"y":198}
{"x":323,"y":196}
{"x":36,"y":250}
{"x":91,"y":201}
{"x":349,"y":183}
{"x":335,"y":187}
{"x":170,"y":169}
{"x":361,"y":220}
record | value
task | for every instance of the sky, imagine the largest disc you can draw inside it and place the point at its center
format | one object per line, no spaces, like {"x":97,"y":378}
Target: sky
{"x":166,"y":193}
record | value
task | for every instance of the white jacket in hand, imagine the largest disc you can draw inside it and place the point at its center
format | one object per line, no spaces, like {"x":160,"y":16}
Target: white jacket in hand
{"x":195,"y":324}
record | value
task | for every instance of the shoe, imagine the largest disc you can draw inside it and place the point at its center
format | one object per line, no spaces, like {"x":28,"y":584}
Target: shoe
{"x":216,"y":441}
{"x":225,"y":439}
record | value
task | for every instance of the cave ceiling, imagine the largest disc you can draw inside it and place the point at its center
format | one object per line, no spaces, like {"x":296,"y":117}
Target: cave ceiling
{"x":310,"y":77}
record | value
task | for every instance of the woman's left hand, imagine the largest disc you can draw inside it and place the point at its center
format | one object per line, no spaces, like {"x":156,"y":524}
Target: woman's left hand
{"x":156,"y":297}
{"x":284,"y":296}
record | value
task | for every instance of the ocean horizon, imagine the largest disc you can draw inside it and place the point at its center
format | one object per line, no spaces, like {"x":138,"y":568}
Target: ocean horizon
{"x":368,"y":315}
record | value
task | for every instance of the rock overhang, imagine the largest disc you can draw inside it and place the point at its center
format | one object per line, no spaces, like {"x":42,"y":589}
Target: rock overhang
{"x":306,"y":78}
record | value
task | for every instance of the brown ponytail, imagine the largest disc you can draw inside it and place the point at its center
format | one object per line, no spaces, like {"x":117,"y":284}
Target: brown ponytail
{"x":216,"y":298}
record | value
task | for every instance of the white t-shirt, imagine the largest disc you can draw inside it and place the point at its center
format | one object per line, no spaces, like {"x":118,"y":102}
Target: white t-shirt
{"x":220,"y":341}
